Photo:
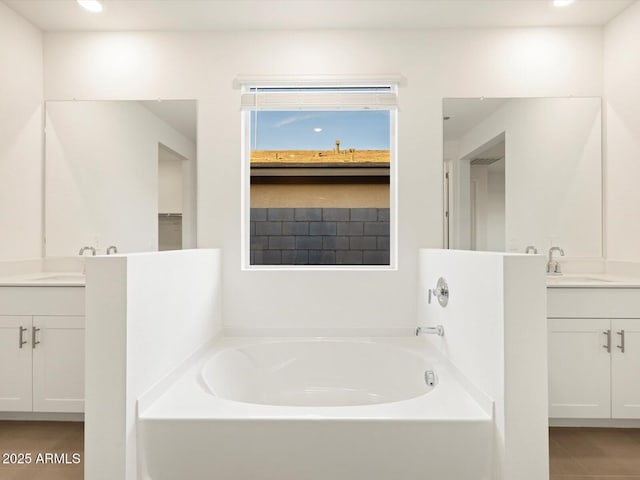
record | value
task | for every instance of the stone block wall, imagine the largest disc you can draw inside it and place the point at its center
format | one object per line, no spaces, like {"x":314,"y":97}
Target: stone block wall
{"x":319,"y":236}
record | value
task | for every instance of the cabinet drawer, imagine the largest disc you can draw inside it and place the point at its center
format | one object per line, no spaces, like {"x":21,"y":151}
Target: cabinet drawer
{"x":42,"y":300}
{"x":593,"y":302}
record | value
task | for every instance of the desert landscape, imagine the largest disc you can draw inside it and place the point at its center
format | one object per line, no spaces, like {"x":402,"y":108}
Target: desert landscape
{"x":337,"y":156}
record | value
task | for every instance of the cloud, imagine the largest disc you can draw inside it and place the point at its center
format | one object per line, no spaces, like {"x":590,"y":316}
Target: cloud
{"x":296,"y":118}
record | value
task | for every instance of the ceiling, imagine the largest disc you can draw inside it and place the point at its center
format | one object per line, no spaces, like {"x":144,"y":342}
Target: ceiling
{"x":225,"y":15}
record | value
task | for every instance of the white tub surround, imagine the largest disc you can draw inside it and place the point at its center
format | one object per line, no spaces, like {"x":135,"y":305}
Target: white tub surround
{"x":495,"y":334}
{"x":317,"y":408}
{"x":146,"y":314}
{"x":308,"y":408}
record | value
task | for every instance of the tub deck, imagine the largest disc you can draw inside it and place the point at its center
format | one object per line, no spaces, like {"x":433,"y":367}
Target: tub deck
{"x":189,"y":433}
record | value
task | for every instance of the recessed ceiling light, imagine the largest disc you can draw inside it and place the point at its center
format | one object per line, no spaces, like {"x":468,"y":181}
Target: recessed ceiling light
{"x":93,"y":6}
{"x":562,"y":3}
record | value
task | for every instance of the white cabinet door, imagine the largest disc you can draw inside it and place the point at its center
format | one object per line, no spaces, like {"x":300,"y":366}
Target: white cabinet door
{"x":625,"y":369}
{"x":15,"y":363}
{"x":58,"y":364}
{"x":579,"y":368}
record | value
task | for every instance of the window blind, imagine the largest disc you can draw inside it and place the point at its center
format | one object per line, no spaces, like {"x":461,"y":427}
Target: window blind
{"x":319,"y":99}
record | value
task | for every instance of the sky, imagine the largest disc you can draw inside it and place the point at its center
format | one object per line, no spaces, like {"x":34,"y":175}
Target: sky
{"x":309,"y":130}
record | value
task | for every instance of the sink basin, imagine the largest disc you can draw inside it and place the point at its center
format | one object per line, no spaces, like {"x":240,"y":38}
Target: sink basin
{"x":60,"y":277}
{"x":53,"y":279}
{"x":579,"y":280}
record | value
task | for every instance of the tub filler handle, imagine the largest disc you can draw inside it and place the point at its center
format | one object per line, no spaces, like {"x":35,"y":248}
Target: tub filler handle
{"x":429,"y":378}
{"x":437,"y":330}
{"x":441,"y":292}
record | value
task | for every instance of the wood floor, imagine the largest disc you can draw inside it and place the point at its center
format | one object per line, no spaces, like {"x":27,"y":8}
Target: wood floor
{"x":42,"y":438}
{"x":575,"y":453}
{"x":594,"y":453}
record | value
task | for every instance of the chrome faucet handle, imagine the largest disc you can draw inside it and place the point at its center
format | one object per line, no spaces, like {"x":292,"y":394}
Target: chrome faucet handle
{"x":556,"y":249}
{"x":553,"y":266}
{"x":441,"y":292}
{"x":557,"y":268}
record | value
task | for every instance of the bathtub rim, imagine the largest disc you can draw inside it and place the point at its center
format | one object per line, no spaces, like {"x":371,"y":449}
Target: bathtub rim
{"x":180,"y":396}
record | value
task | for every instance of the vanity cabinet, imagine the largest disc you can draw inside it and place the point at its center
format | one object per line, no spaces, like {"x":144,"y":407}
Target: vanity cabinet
{"x":579,"y":368}
{"x":42,"y":355}
{"x":58,"y":364}
{"x":590,"y":376}
{"x":47,"y":376}
{"x":625,"y":369}
{"x":15,"y":363}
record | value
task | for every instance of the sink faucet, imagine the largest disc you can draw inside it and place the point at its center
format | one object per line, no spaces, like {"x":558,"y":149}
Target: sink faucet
{"x":553,"y":267}
{"x":84,"y":249}
{"x":531,"y":249}
{"x":112,"y":249}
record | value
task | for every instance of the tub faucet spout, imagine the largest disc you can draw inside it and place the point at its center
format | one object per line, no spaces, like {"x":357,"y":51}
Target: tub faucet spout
{"x":437,"y":330}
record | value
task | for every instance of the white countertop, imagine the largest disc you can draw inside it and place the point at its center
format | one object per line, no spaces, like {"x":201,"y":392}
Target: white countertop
{"x":591,"y":280}
{"x":48,"y":279}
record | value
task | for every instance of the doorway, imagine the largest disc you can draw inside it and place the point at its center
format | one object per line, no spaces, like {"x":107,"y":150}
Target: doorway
{"x":171,"y":181}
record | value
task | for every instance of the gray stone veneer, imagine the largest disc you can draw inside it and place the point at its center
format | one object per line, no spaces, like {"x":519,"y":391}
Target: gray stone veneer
{"x":319,"y":236}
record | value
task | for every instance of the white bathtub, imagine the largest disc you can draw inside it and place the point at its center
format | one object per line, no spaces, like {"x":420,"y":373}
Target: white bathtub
{"x":316,"y":409}
{"x":318,"y":373}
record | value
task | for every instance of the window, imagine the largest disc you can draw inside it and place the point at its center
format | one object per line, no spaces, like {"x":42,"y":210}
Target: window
{"x":319,"y":176}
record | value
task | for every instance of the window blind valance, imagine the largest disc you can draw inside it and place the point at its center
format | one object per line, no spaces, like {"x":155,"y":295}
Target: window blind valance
{"x":319,"y":99}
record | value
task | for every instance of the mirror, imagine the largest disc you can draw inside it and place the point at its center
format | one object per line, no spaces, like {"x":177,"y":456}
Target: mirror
{"x":120,"y":173}
{"x":523,"y":172}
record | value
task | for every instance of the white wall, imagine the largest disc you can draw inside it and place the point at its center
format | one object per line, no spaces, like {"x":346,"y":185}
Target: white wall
{"x":622,"y":135}
{"x":134,"y":341}
{"x":102,"y":175}
{"x":436,"y":64}
{"x":553,"y":172}
{"x":21,"y":94}
{"x":495,"y":334}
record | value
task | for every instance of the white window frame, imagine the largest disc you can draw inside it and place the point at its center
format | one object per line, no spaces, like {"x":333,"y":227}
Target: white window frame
{"x":249,"y":104}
